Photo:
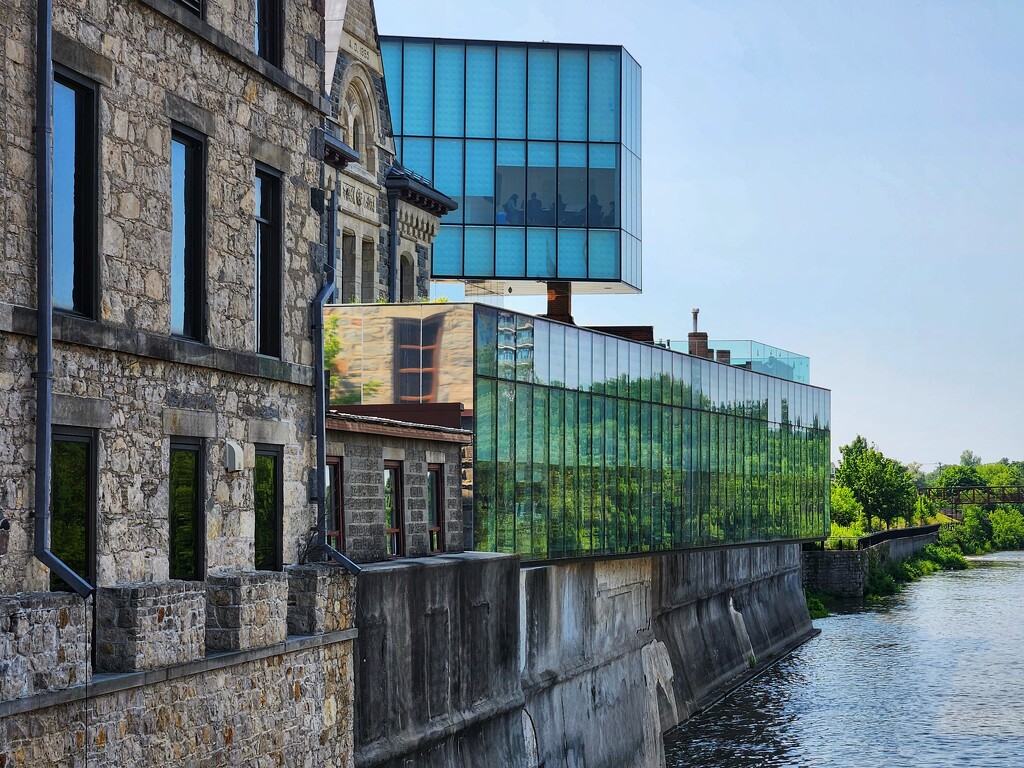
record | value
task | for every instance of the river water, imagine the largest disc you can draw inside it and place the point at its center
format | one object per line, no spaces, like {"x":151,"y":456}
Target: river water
{"x":933,"y":677}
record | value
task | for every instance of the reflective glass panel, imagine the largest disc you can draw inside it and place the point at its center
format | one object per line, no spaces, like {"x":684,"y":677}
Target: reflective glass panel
{"x":540,"y":252}
{"x":604,"y":184}
{"x":604,"y":95}
{"x":540,"y":184}
{"x":543,"y":93}
{"x":479,"y":261}
{"x":572,"y":253}
{"x":510,"y":183}
{"x":479,"y":182}
{"x":572,"y":94}
{"x":571,"y":201}
{"x":448,"y":174}
{"x":511,"y":93}
{"x":418,"y":89}
{"x":510,"y":251}
{"x":449,"y":81}
{"x":480,"y":91}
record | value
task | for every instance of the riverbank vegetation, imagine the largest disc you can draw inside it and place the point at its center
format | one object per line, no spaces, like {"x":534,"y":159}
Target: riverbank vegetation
{"x":883,"y":582}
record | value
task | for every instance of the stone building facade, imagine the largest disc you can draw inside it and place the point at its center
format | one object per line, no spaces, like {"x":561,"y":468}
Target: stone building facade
{"x":189,"y":244}
{"x":368,"y":258}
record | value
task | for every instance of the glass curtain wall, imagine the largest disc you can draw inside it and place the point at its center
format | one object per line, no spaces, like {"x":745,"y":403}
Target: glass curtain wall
{"x":540,"y":146}
{"x":588,"y":445}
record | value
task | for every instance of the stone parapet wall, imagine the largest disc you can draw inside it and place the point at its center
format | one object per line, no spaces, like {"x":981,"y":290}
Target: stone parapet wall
{"x":842,"y":573}
{"x":246,"y":609}
{"x":321,"y":598}
{"x":44,"y":643}
{"x":149,"y":625}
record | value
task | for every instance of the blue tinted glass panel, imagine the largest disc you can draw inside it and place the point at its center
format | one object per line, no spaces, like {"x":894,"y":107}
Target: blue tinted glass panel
{"x":178,"y":222}
{"x":391,"y":53}
{"x":64,"y":140}
{"x":604,"y":95}
{"x":510,"y":251}
{"x":448,"y":174}
{"x":418,"y":89}
{"x":540,"y":252}
{"x":449,"y":82}
{"x":479,"y":182}
{"x":603,"y":250}
{"x":398,"y":149}
{"x":540,"y":184}
{"x":417,"y":156}
{"x":480,"y":251}
{"x":480,"y":91}
{"x":448,"y":252}
{"x":543,"y":94}
{"x":572,"y":95}
{"x":510,"y":183}
{"x":511,"y":93}
{"x":571,"y":202}
{"x":572,"y":253}
{"x":603,"y":209}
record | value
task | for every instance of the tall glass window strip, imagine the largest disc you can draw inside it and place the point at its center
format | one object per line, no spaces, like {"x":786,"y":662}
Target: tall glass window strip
{"x":73,"y":503}
{"x":394,"y":509}
{"x":188,"y":201}
{"x":335,"y":508}
{"x":269,"y":31}
{"x":268,"y":263}
{"x":435,"y":506}
{"x":75,"y":191}
{"x":186,"y":522}
{"x":268,"y":506}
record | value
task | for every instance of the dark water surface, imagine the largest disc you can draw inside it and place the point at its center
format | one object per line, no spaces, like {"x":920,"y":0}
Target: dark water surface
{"x":934,"y":677}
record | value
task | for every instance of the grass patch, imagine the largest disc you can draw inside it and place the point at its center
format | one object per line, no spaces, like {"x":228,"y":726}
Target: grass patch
{"x":815,"y":605}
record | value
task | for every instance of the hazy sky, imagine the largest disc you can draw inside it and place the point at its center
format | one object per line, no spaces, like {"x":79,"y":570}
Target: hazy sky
{"x":845,"y":180}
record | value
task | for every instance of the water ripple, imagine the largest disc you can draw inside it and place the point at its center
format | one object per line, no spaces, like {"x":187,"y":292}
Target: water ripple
{"x":932,"y":678}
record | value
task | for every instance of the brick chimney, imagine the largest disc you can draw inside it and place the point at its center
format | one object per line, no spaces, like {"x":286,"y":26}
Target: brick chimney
{"x":560,"y":302}
{"x":724,"y":356}
{"x":697,"y":341}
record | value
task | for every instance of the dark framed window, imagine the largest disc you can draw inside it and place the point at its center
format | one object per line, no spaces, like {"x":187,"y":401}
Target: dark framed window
{"x":418,"y":352}
{"x":75,"y":194}
{"x":269,"y":30}
{"x":435,"y":506}
{"x":335,"y":505}
{"x":393,"y":509}
{"x":268,"y":262}
{"x":192,"y":6}
{"x":73,"y":503}
{"x":268,"y":505}
{"x":186,"y":519}
{"x":188,"y":203}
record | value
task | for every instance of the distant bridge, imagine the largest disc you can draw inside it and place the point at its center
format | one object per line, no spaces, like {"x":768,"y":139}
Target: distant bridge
{"x":957,"y":495}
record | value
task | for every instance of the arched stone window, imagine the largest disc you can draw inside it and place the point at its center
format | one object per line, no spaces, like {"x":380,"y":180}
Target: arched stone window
{"x":407,"y":278}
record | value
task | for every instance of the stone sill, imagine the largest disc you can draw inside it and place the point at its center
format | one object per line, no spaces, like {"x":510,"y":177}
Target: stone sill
{"x":104,"y":684}
{"x":89,"y":333}
{"x":236,"y":51}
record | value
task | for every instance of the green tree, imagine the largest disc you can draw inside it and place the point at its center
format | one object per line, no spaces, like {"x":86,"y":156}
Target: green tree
{"x":1007,"y":528}
{"x":969,"y":458}
{"x":882,"y":486}
{"x":958,"y":476}
{"x":845,"y":507}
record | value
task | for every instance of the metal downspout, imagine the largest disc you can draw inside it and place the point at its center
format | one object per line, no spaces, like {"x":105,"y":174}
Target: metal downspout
{"x":44,"y":301}
{"x":393,"y":294}
{"x":326,"y":290}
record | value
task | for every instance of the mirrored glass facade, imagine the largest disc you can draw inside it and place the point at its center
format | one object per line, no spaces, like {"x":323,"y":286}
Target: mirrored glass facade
{"x":589,"y":445}
{"x":540,"y":146}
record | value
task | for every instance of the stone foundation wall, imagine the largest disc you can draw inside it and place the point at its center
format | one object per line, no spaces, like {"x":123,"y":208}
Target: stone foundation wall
{"x":287,"y":709}
{"x":844,"y":573}
{"x":321,"y":598}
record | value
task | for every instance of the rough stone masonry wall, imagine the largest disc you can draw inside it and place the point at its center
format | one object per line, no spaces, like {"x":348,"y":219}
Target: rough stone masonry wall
{"x":147,"y":626}
{"x":44,"y":643}
{"x":247,"y":609}
{"x":291,"y":709}
{"x":844,"y":573}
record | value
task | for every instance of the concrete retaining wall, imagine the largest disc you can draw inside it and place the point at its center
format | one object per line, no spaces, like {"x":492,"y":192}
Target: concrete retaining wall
{"x":580,"y":664}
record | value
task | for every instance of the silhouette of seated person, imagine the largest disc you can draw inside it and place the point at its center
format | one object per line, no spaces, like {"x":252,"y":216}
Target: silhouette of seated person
{"x":534,"y":210}
{"x":595,"y":210}
{"x":513,"y":215}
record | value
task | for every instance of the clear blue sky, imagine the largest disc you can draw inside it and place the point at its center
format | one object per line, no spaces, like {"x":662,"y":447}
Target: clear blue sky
{"x":842,"y":179}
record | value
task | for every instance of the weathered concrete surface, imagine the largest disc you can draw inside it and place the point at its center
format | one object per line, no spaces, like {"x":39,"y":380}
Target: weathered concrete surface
{"x":721,"y":612}
{"x":579,"y":664}
{"x":437,"y":663}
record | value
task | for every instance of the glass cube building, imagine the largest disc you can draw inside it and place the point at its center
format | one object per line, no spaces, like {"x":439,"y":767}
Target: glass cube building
{"x":761,"y":357}
{"x":540,"y":146}
{"x":590,"y":445}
